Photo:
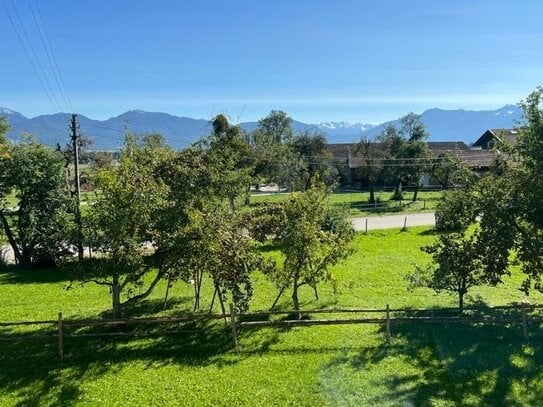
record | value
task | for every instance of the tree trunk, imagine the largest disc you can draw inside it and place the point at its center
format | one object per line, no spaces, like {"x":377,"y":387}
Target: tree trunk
{"x":315,"y":290}
{"x":221,"y":301}
{"x":416,"y":193}
{"x":398,"y":190}
{"x":295,"y":286}
{"x":11,"y":239}
{"x":196,"y":293}
{"x":247,"y":201}
{"x":200,"y":278}
{"x":295,"y":300}
{"x":167,"y":292}
{"x":116,"y":298}
{"x":282,"y":290}
{"x":213,"y":300}
{"x":372,"y":194}
{"x":26,"y":252}
{"x":461,"y":301}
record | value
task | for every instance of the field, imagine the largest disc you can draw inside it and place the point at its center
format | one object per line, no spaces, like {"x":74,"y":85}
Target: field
{"x":357,"y":202}
{"x":338,"y":365}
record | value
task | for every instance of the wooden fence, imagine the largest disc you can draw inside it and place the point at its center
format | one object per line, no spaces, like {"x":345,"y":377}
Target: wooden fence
{"x":387,"y":317}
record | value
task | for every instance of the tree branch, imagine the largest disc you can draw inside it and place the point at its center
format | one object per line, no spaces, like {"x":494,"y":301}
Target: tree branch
{"x":147,"y":292}
{"x":100,"y":282}
{"x":10,"y":237}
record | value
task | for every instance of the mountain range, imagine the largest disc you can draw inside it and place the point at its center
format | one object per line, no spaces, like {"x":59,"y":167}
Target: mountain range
{"x":443,"y":125}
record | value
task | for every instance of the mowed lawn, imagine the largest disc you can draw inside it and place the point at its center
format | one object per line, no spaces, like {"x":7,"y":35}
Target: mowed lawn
{"x":357,"y":202}
{"x":442,"y":365}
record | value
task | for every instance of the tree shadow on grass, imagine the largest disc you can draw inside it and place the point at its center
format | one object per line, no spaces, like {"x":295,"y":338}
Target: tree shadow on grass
{"x":32,"y":372}
{"x":152,"y":307}
{"x":430,"y":232}
{"x":17,"y":275}
{"x":458,"y":364}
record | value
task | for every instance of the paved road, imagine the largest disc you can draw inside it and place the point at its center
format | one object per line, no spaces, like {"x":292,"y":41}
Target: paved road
{"x":394,"y":221}
{"x":359,"y":224}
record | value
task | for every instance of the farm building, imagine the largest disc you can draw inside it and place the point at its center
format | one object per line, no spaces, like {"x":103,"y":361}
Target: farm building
{"x":479,"y":157}
{"x":489,"y":138}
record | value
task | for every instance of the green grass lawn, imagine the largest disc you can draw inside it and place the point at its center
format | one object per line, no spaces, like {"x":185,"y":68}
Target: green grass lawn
{"x":441,"y":365}
{"x":357,"y":202}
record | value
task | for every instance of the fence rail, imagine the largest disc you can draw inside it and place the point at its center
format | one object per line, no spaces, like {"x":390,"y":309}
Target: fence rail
{"x":236,"y":321}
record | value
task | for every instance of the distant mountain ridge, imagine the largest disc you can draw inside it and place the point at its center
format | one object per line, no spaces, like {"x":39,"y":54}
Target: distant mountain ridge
{"x":461,"y":125}
{"x":443,"y":125}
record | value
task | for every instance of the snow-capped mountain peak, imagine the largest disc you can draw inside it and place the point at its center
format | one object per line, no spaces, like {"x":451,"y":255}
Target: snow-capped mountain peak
{"x":345,"y":125}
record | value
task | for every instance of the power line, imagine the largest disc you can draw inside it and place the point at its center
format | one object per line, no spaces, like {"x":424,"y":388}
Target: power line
{"x":75,"y":147}
{"x":36,"y":71}
{"x":49,"y":53}
{"x":170,"y":140}
{"x":105,"y":128}
{"x":52,"y":53}
{"x":35,"y":55}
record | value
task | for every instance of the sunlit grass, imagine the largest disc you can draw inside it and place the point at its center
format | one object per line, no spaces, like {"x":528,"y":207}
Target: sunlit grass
{"x":327,"y":365}
{"x":357,"y":203}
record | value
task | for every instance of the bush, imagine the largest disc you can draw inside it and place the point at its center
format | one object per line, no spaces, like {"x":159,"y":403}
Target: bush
{"x":456,"y":212}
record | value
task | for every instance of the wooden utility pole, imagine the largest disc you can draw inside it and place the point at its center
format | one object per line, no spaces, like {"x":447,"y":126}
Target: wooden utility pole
{"x":75,"y":148}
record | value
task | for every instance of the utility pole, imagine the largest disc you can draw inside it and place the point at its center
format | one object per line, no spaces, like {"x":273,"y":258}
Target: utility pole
{"x":74,"y":127}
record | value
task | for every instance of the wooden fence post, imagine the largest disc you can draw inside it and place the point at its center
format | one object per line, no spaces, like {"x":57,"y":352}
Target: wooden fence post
{"x":60,"y":344}
{"x":366,"y":226}
{"x":524,"y":321}
{"x":405,"y":223}
{"x":388,"y":324}
{"x":233,"y":325}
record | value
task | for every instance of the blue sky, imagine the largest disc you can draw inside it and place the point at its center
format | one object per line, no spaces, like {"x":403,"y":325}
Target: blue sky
{"x":364,"y":61}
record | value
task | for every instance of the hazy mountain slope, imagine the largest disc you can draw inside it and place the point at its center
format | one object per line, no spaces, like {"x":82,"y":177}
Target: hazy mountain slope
{"x":461,"y":125}
{"x":454,"y":125}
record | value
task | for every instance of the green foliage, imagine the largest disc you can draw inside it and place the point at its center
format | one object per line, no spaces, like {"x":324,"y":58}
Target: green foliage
{"x":458,"y":266}
{"x":5,"y":157}
{"x":371,"y":164}
{"x":43,"y":229}
{"x":230,"y":158}
{"x":100,"y":159}
{"x":276,"y":127}
{"x":263,"y":223}
{"x":312,"y":238}
{"x":271,"y":149}
{"x":407,"y":152}
{"x":196,"y":236}
{"x":456,"y":211}
{"x":312,"y":163}
{"x":122,"y":220}
{"x":229,"y":257}
{"x":510,"y":199}
{"x":446,"y":169}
